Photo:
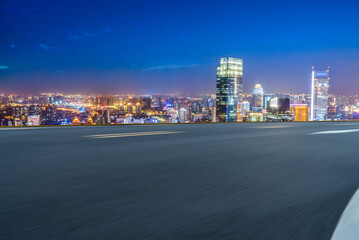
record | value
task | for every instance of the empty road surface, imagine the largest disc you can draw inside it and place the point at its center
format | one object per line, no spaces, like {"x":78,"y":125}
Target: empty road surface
{"x":196,"y":181}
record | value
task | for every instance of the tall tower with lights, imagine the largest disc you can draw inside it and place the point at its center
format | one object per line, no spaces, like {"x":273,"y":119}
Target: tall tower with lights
{"x":229,"y":89}
{"x":319,"y":98}
{"x":258,"y":95}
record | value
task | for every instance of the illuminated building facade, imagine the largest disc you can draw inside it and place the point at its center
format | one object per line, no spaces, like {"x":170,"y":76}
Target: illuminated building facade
{"x":49,"y":115}
{"x":300,"y":112}
{"x":229,"y":89}
{"x":266,"y":99}
{"x":279,"y":110}
{"x":320,"y":91}
{"x":256,"y":117}
{"x":184,"y":115}
{"x":258,"y":98}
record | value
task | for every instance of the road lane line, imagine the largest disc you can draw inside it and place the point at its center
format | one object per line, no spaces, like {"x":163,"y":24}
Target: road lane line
{"x":23,"y":128}
{"x":269,"y":127}
{"x":335,"y":132}
{"x":348,"y":225}
{"x":124,"y":133}
{"x":135,"y":134}
{"x":345,"y":124}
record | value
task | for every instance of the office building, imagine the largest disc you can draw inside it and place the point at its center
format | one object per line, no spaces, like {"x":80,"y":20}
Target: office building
{"x":320,"y":91}
{"x":266,"y":99}
{"x":279,"y":110}
{"x":229,"y":89}
{"x":257,"y":98}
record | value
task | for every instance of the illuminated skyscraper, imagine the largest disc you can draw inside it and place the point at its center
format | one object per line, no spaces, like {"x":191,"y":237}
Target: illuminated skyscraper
{"x":229,"y":89}
{"x":320,"y":91}
{"x":258,"y":98}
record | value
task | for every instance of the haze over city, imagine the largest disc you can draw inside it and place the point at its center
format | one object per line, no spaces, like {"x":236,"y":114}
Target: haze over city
{"x":132,"y":47}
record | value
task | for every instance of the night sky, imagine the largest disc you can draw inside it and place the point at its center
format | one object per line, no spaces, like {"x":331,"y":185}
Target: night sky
{"x":154,"y":47}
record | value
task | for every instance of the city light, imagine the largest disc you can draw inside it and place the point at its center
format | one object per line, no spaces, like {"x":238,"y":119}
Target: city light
{"x":229,"y":104}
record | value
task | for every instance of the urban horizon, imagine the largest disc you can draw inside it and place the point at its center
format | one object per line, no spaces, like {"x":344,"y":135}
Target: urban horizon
{"x":249,"y":83}
{"x":247,"y":86}
{"x":228,"y":104}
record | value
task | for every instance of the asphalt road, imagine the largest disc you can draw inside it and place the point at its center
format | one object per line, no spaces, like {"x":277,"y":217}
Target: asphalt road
{"x":195,"y":181}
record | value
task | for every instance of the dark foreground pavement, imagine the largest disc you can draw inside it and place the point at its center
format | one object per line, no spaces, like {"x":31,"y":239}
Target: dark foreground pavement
{"x":203,"y":181}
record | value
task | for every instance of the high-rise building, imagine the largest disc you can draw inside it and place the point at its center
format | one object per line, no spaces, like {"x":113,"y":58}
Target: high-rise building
{"x":258,"y":98}
{"x":184,"y":115}
{"x":229,"y":89}
{"x":320,"y":92}
{"x":299,"y":112}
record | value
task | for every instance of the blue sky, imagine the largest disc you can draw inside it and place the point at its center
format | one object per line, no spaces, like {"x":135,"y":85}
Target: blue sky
{"x":148,"y":47}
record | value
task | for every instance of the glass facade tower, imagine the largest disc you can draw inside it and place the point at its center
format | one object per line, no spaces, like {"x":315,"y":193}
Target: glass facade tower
{"x":258,"y":95}
{"x":320,"y":92}
{"x":229,"y":89}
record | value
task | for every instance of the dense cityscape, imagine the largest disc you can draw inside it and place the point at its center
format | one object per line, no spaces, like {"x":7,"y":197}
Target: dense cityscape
{"x":229,"y":104}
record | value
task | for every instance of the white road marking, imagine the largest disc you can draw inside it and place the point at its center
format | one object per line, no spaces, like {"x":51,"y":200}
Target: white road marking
{"x":348,"y":225}
{"x":335,"y":132}
{"x":345,"y":124}
{"x":23,"y":128}
{"x":264,"y":127}
{"x":134,"y":134}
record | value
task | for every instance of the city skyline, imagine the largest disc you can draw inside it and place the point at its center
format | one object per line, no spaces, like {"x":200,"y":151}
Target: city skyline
{"x":121,"y":47}
{"x":247,"y":90}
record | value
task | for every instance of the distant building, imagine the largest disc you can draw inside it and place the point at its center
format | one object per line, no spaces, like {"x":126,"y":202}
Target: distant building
{"x":300,"y":112}
{"x":35,"y":110}
{"x":257,"y":98}
{"x":245,"y":106}
{"x":183,"y":115}
{"x":266,"y":99}
{"x":33,"y":120}
{"x":279,"y":110}
{"x":320,"y":91}
{"x":229,"y":89}
{"x":213,"y":114}
{"x":49,"y":115}
{"x":256,"y":117}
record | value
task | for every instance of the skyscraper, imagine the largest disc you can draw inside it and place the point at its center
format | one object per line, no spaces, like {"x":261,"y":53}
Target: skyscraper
{"x":229,"y":89}
{"x":258,"y":98}
{"x":320,"y":91}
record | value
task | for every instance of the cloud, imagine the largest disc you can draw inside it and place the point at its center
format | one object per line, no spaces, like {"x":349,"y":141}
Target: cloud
{"x":80,"y":34}
{"x":4,"y":67}
{"x":87,"y":34}
{"x":171,"y":67}
{"x":108,"y":29}
{"x":73,"y":37}
{"x":43,"y":46}
{"x":12,"y":46}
